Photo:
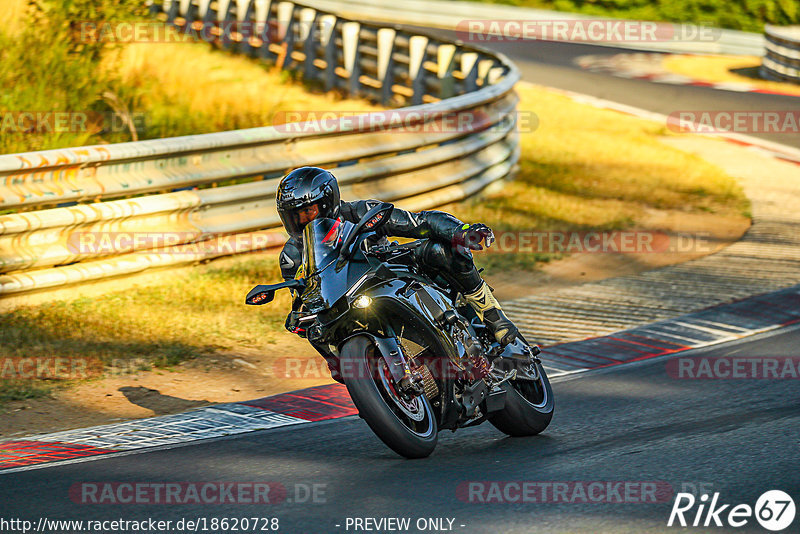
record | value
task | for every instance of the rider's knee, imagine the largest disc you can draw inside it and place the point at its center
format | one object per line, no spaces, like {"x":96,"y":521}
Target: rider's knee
{"x":444,"y":257}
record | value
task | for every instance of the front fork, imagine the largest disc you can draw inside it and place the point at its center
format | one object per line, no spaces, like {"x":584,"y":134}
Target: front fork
{"x":409,"y":382}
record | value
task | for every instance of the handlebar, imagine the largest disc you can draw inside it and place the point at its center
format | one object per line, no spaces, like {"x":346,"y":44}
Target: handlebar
{"x":389,"y":249}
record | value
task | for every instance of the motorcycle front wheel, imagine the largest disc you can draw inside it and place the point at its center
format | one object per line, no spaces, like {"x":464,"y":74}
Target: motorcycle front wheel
{"x":407,"y":427}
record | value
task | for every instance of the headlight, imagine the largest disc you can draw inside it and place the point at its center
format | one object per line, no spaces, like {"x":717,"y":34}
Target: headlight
{"x":362,"y":301}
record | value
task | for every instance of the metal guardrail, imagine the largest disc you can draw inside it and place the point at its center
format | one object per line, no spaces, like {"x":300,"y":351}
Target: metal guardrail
{"x":781,"y":61}
{"x":419,"y":160}
{"x":448,"y":14}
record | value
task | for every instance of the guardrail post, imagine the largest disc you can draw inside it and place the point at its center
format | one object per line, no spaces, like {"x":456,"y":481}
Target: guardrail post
{"x":469,"y":68}
{"x":262,"y":29}
{"x":444,"y":71}
{"x":286,"y":33}
{"x":495,"y":73}
{"x":386,"y":63}
{"x":225,"y":23}
{"x":243,"y":30}
{"x":242,"y":7}
{"x":154,"y":8}
{"x":484,"y":66}
{"x":202,"y":8}
{"x":417,"y":49}
{"x":208,"y":16}
{"x":187,"y":12}
{"x":308,"y":35}
{"x":185,"y":6}
{"x":327,"y":31}
{"x":350,"y":38}
{"x":171,"y":7}
{"x":248,"y":27}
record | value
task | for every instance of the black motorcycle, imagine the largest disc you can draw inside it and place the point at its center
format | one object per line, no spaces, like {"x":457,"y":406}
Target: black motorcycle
{"x":414,"y":356}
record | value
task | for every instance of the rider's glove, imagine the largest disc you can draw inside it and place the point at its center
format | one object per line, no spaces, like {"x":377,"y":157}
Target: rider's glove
{"x":292,"y":324}
{"x":469,"y":237}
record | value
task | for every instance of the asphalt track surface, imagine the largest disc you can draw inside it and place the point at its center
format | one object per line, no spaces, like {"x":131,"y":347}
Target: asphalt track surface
{"x":629,"y":423}
{"x":552,"y":64}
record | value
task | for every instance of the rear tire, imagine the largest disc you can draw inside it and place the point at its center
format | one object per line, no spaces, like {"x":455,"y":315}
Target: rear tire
{"x":529,"y":406}
{"x":385,"y":413}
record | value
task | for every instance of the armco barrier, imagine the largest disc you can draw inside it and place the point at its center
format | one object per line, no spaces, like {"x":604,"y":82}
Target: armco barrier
{"x":782,"y":58}
{"x":448,"y":14}
{"x":416,"y":161}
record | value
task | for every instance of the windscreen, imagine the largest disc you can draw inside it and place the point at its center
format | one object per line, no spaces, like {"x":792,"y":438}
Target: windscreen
{"x":322,"y":240}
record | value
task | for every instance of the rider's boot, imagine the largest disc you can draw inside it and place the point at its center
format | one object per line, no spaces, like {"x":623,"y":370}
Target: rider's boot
{"x":489,"y":311}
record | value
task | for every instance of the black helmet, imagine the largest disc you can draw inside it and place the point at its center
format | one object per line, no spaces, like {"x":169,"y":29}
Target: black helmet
{"x":305,"y":189}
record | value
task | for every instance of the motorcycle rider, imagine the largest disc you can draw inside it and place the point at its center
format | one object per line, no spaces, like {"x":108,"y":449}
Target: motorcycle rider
{"x":307,"y":193}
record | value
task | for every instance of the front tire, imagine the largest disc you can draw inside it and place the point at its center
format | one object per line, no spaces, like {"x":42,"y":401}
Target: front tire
{"x":408,"y":428}
{"x":529,"y":406}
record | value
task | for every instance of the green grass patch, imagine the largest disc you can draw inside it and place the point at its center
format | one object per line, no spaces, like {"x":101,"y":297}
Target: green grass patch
{"x":15,"y":390}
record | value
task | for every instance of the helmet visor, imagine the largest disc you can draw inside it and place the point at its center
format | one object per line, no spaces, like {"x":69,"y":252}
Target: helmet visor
{"x":294,"y":220}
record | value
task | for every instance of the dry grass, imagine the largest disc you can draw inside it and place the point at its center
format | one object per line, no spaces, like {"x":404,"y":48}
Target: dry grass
{"x":188,"y":88}
{"x":590,"y":169}
{"x":159,"y":325}
{"x":172,"y":89}
{"x":11,"y":15}
{"x":721,"y":69}
{"x":164,"y":323}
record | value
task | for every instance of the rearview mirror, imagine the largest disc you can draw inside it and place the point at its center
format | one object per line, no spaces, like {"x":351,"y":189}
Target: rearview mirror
{"x":260,"y":295}
{"x":263,"y":294}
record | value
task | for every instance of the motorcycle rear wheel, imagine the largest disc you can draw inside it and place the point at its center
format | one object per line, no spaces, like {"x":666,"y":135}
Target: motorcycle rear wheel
{"x":529,"y":406}
{"x":408,"y":428}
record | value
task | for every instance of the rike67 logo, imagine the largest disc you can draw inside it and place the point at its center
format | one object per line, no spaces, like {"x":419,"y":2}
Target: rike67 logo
{"x":774,"y":510}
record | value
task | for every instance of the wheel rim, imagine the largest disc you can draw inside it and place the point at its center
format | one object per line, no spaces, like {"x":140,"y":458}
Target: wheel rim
{"x":414,"y":415}
{"x":534,"y":392}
